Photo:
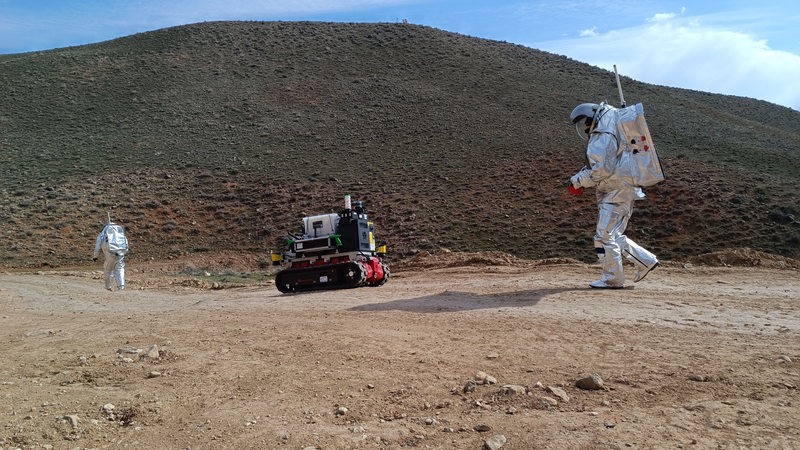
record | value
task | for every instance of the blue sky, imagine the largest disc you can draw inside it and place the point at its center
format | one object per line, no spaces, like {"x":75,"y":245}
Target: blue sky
{"x":739,"y":47}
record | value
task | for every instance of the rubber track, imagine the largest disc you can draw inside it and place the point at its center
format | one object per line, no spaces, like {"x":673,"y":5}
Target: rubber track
{"x":346,"y":275}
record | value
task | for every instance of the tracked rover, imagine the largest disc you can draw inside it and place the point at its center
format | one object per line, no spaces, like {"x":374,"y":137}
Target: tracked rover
{"x":334,"y":251}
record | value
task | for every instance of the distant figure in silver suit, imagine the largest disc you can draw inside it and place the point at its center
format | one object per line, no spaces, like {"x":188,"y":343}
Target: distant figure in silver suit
{"x":615,"y":196}
{"x":114,"y":244}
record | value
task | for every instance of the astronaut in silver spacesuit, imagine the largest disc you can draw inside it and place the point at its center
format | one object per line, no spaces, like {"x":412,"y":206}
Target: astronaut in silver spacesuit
{"x":114,"y":244}
{"x":616,"y":192}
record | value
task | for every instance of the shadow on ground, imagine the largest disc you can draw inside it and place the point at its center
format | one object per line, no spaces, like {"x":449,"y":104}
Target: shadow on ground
{"x":449,"y":301}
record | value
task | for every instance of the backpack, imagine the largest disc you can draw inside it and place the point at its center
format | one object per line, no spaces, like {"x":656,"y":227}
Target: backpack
{"x":115,"y":236}
{"x":636,"y":149}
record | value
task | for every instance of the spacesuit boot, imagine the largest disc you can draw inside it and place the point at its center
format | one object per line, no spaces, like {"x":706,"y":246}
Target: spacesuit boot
{"x":613,"y":275}
{"x":642,"y":259}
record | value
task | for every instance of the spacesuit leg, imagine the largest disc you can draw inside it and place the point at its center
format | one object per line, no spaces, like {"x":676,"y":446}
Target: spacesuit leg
{"x":109,"y":266}
{"x":120,"y":272}
{"x":642,"y":259}
{"x":611,"y":222}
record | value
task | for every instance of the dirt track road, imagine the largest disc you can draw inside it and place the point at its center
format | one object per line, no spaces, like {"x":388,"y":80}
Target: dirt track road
{"x":692,"y":357}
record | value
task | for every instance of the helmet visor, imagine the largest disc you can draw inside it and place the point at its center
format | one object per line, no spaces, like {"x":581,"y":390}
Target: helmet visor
{"x":583,"y":126}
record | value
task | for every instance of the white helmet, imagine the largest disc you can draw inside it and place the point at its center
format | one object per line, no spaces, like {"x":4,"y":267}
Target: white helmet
{"x":583,"y":117}
{"x":584,"y":110}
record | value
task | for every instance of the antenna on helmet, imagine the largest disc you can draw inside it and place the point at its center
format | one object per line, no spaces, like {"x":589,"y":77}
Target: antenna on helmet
{"x":619,"y":88}
{"x":109,"y":216}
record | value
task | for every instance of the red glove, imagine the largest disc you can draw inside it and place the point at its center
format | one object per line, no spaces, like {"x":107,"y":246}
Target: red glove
{"x":575,"y":191}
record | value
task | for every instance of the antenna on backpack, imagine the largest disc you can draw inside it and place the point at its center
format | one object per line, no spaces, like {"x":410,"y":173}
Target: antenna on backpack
{"x":109,"y":216}
{"x":619,"y":88}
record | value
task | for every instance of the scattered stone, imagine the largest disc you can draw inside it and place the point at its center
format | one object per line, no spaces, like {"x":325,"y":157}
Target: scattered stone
{"x":493,"y":355}
{"x":482,"y":428}
{"x":340,"y":411}
{"x":495,"y":442}
{"x":485,"y":378}
{"x":154,"y":374}
{"x":513,"y":389}
{"x":558,"y":392}
{"x":591,"y":383}
{"x":698,"y":377}
{"x":152,"y":352}
{"x":108,"y":409}
{"x":548,"y":402}
{"x":129,"y":351}
{"x":469,"y":387}
{"x":431,"y":421}
{"x":72,"y":420}
{"x":783,"y":359}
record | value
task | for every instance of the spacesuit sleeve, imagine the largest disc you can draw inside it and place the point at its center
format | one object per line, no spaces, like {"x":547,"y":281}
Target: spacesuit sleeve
{"x":98,"y":243}
{"x":601,"y":155}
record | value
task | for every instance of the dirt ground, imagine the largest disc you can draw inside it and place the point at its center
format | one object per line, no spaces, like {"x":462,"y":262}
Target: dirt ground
{"x":469,"y":355}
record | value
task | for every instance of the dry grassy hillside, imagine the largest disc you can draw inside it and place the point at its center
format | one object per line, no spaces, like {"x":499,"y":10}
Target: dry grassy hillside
{"x":222,"y":136}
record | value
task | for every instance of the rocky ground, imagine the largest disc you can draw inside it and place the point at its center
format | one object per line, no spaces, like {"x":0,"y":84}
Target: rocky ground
{"x":465,"y":351}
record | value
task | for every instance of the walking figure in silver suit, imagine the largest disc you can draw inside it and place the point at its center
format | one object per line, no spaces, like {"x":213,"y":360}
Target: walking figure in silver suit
{"x":114,"y":245}
{"x":616,"y":192}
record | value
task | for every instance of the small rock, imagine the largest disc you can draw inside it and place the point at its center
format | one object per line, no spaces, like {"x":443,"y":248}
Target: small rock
{"x":154,"y":374}
{"x":340,"y":411}
{"x":152,"y":352}
{"x":698,"y":377}
{"x":513,"y":389}
{"x":548,"y":401}
{"x":485,"y":378}
{"x":784,"y":359}
{"x":558,"y":392}
{"x":129,"y":351}
{"x":493,"y":355}
{"x":592,"y":383}
{"x":72,"y":420}
{"x":482,"y":428}
{"x":495,"y":442}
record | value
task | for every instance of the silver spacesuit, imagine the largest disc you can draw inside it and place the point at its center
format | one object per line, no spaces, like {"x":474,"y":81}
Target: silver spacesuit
{"x":616,"y":192}
{"x":114,"y":244}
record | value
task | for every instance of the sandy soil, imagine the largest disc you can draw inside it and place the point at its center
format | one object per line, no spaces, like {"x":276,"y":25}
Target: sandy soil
{"x":469,"y":357}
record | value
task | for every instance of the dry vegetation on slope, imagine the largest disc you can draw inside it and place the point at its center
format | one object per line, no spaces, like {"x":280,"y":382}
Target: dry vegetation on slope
{"x":221,"y":136}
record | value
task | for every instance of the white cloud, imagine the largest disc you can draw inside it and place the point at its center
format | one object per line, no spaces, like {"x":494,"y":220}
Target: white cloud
{"x":590,"y":32}
{"x":661,"y":17}
{"x":681,"y":53}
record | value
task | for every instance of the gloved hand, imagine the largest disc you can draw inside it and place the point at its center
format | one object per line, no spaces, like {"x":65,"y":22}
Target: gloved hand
{"x":574,"y":186}
{"x":575,"y":191}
